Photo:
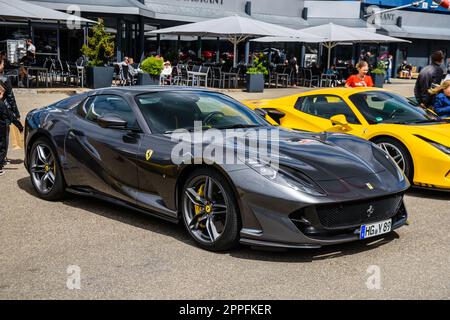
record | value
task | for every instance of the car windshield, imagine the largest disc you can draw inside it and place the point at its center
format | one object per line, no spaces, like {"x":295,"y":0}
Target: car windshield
{"x":388,"y":107}
{"x":167,"y":111}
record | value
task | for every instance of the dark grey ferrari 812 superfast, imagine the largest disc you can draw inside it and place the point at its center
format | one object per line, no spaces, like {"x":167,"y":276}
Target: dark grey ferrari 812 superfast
{"x":117,"y":144}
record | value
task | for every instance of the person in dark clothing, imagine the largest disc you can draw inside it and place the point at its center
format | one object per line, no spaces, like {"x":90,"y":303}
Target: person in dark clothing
{"x":6,"y":118}
{"x":315,"y":69}
{"x":10,"y":102}
{"x":4,"y":62}
{"x":430,"y":76}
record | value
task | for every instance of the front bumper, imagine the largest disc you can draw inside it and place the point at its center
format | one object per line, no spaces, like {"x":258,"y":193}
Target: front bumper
{"x":276,"y":217}
{"x":315,"y":234}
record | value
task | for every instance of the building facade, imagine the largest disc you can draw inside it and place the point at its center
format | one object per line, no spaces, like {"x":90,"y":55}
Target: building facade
{"x":426,"y":26}
{"x":131,"y":20}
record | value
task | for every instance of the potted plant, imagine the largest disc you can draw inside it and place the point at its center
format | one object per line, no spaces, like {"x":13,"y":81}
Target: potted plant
{"x":152,"y":68}
{"x":255,"y":75}
{"x":99,"y":51}
{"x":379,"y":74}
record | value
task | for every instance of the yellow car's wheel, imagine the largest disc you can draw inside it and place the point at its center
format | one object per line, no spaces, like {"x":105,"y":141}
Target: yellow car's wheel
{"x":399,"y":153}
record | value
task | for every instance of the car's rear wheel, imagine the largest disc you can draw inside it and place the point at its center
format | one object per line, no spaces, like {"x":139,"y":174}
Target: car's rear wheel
{"x":399,"y":153}
{"x":209,"y":210}
{"x":45,"y":171}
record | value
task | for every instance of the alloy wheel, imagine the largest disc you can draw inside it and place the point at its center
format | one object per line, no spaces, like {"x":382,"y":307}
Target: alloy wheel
{"x":43,"y":168}
{"x":395,"y":154}
{"x":205,"y":208}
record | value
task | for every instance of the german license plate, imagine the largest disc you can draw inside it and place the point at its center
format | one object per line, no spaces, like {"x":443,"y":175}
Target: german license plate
{"x":375,"y":229}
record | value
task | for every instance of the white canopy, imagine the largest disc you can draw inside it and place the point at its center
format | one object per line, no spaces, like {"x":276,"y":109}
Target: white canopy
{"x":18,"y":9}
{"x":235,"y":28}
{"x":334,"y":33}
{"x":300,"y":37}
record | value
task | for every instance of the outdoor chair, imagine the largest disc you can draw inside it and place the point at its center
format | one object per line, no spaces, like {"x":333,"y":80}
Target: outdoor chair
{"x":328,"y":80}
{"x":175,"y":77}
{"x":59,"y":71}
{"x":310,"y":79}
{"x":49,"y":65}
{"x":198,"y":75}
{"x":215,"y":77}
{"x":301,"y":76}
{"x":279,"y":75}
{"x":185,"y":79}
{"x":70,"y":74}
{"x":232,"y":76}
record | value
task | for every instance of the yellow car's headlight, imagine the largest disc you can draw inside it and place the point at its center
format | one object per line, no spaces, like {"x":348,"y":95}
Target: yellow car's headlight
{"x":435,"y":144}
{"x":441,"y":147}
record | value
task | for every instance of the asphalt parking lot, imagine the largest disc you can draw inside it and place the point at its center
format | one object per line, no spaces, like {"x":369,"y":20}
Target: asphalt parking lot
{"x":123,"y":254}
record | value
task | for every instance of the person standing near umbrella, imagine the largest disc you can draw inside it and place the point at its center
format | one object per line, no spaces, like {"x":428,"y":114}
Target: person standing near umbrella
{"x":430,"y":76}
{"x":362,"y":79}
{"x":389,"y":63}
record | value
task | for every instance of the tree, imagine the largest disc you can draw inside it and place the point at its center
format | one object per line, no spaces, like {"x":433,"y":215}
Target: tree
{"x":100,"y":48}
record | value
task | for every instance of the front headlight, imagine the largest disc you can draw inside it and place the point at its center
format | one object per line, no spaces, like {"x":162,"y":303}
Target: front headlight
{"x":444,"y":149}
{"x":437,"y":145}
{"x":295,"y":181}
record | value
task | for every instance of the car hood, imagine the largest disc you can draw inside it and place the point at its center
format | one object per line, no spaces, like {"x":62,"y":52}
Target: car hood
{"x":325,"y":156}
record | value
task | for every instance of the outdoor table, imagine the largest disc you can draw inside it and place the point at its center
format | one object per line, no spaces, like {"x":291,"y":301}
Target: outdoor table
{"x":198,"y":75}
{"x":231,"y":76}
{"x":39,"y":70}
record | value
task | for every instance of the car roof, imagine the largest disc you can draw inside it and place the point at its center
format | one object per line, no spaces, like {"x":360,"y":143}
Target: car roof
{"x":137,"y":90}
{"x":341,"y":91}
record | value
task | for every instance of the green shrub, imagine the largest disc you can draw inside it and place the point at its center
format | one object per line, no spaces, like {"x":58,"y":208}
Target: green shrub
{"x":153,"y":66}
{"x":100,"y":48}
{"x":258,"y":67}
{"x":380,"y":68}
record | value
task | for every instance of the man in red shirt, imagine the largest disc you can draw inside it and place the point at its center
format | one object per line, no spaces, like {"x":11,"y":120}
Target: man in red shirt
{"x":361,"y":79}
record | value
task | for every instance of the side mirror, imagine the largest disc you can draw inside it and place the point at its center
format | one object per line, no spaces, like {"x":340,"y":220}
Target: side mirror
{"x":339,"y":120}
{"x":261,"y":112}
{"x":275,"y":114}
{"x":112,"y":121}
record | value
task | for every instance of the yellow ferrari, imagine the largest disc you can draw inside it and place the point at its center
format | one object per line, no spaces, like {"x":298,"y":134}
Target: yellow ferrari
{"x":417,"y":140}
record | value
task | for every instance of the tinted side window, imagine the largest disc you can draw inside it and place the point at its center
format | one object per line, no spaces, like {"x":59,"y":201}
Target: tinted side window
{"x":98,"y":106}
{"x":326,"y":106}
{"x":298,"y":104}
{"x":69,"y":102}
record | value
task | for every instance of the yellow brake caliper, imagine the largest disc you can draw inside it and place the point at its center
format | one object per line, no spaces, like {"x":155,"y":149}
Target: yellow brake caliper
{"x":198,"y":209}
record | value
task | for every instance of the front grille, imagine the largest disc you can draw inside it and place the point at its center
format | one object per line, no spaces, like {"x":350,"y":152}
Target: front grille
{"x":351,"y":214}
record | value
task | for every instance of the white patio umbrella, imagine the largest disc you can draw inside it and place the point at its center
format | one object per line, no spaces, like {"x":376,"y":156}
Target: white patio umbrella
{"x":333,"y":34}
{"x":22,"y":10}
{"x":300,"y":36}
{"x":235,"y":28}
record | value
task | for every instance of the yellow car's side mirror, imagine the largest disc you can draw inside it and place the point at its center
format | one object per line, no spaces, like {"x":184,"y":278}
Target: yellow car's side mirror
{"x":340,"y":120}
{"x":272,"y":113}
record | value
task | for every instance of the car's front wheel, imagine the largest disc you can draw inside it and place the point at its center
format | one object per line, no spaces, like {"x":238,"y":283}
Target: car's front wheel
{"x":399,"y":153}
{"x":45,"y":171}
{"x":210,"y":211}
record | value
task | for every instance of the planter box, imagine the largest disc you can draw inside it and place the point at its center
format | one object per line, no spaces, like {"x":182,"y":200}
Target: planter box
{"x":144,"y":79}
{"x":378,"y":80}
{"x":99,"y":77}
{"x":255,"y":82}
